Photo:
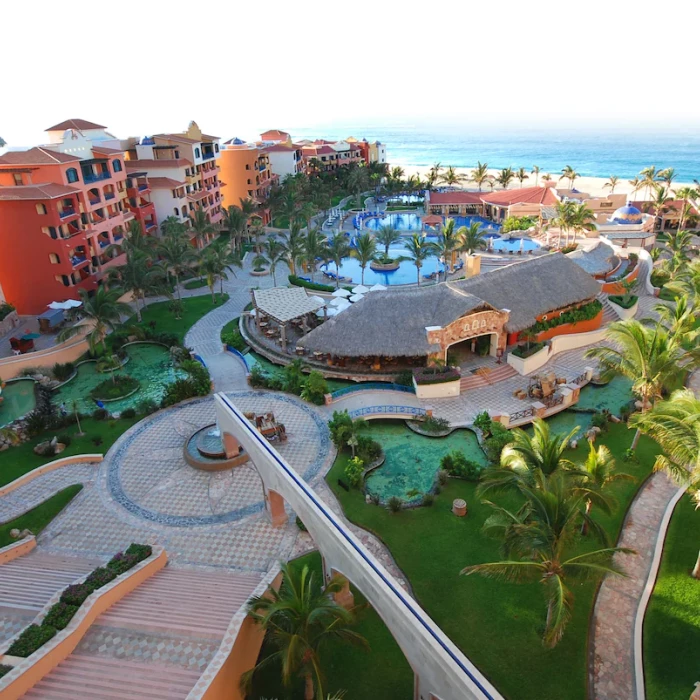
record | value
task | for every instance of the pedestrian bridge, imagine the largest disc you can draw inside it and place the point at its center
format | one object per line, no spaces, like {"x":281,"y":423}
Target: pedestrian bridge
{"x":441,"y":671}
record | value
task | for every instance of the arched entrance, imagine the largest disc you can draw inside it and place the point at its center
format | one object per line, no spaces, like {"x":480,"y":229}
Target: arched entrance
{"x":470,"y":350}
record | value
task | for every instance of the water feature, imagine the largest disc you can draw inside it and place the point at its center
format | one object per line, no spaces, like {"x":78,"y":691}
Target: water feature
{"x":148,"y":363}
{"x":412,"y":460}
{"x":17,"y":400}
{"x":612,"y":396}
{"x":205,"y":451}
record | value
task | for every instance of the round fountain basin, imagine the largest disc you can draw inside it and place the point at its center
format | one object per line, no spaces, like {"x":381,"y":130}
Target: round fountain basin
{"x":205,"y":451}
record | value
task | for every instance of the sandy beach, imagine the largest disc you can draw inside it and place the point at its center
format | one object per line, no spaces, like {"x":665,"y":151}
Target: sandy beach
{"x":594,"y":186}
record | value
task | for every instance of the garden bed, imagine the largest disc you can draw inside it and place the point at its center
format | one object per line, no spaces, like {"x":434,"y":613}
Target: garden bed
{"x":118,"y":387}
{"x":523,"y":351}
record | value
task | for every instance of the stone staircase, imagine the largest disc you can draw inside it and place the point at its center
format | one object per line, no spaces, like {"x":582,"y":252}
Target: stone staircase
{"x":476,"y":381}
{"x":609,"y":315}
{"x":154,"y":643}
{"x":27,"y":584}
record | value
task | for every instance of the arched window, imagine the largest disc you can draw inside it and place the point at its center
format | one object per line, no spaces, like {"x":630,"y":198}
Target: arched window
{"x":117,"y":166}
{"x":216,"y":147}
{"x":196,"y":153}
{"x":72,"y":175}
{"x":41,"y":209}
{"x":177,"y":212}
{"x":54,"y":259}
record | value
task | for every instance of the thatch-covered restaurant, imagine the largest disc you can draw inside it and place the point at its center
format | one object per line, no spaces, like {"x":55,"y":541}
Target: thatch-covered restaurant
{"x":414,"y":325}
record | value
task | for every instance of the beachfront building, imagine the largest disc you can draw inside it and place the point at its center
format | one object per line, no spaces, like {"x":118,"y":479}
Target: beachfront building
{"x":327,"y":156}
{"x":669,"y":217}
{"x":246,"y":174}
{"x":286,"y":159}
{"x":62,"y":207}
{"x":628,"y":227}
{"x":491,"y":310}
{"x":374,"y":152}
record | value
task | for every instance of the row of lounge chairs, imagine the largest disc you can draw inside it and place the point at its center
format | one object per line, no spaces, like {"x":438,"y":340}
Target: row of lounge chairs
{"x":332,"y":276}
{"x":441,"y":271}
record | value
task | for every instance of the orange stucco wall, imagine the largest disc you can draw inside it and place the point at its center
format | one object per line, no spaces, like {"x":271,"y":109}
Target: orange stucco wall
{"x":69,"y":351}
{"x":566,"y":328}
{"x":17,"y":549}
{"x":616,"y":287}
{"x":61,"y":650}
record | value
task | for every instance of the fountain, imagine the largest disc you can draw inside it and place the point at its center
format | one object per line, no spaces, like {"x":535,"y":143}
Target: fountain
{"x":206,"y":450}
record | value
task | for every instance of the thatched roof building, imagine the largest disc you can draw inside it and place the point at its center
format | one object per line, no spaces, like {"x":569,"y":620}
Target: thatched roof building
{"x":598,"y":260}
{"x":393,"y":323}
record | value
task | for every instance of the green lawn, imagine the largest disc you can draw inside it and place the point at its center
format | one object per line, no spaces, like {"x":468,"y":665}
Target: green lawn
{"x":38,"y":518}
{"x":196,"y":283}
{"x":19,"y":460}
{"x":383,"y":672}
{"x":672,"y":622}
{"x":497,"y":625}
{"x":165,"y":322}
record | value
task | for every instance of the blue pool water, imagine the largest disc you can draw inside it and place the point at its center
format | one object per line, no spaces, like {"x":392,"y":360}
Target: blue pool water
{"x":401,"y":222}
{"x":514,"y":244}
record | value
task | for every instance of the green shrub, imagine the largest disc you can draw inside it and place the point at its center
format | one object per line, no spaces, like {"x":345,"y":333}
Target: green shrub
{"x":128,"y":413}
{"x":101,"y":576}
{"x":257,"y":377}
{"x":581,"y":313}
{"x":433,"y":424}
{"x":5,"y":669}
{"x":394,"y":504}
{"x":198,"y":383}
{"x":457,"y":465}
{"x":76,"y":594}
{"x":298,"y":282}
{"x":436,"y":375}
{"x":121,"y":562}
{"x":623,"y":300}
{"x":140,"y":551}
{"x":315,"y":388}
{"x":62,"y":371}
{"x":368,"y":450}
{"x":337,"y":425}
{"x":300,"y":524}
{"x":146,"y":407}
{"x":428,"y":499}
{"x":443,"y":477}
{"x":483,"y":422}
{"x":5,"y":310}
{"x":235,"y":339}
{"x":59,"y":615}
{"x":97,"y":440}
{"x":354,"y":470}
{"x":500,"y":437}
{"x":660,"y":277}
{"x":525,"y":351}
{"x":195,"y":284}
{"x":100,"y":414}
{"x":404,"y":378}
{"x":569,"y":248}
{"x":116,"y":387}
{"x":518,"y":223}
{"x":600,"y":420}
{"x":294,"y":377}
{"x":31,"y":639}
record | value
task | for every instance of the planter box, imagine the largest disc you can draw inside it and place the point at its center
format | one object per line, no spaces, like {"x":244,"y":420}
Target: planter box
{"x":591,"y":324}
{"x":9,"y":322}
{"x":525,"y":365}
{"x":441,"y":390}
{"x":623,"y":313}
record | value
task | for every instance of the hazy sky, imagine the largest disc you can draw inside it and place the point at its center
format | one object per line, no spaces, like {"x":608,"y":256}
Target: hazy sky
{"x":239,"y":67}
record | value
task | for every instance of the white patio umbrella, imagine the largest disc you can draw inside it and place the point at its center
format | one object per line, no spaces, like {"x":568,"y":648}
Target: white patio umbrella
{"x":377,"y":288}
{"x":317,"y":300}
{"x":65,"y":305}
{"x":357,"y":297}
{"x":341,"y":293}
{"x":337,"y":302}
{"x":360,"y":289}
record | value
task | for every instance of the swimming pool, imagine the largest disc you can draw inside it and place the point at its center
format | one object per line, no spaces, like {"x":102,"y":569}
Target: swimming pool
{"x":414,"y":222}
{"x":513,"y":244}
{"x":17,"y":400}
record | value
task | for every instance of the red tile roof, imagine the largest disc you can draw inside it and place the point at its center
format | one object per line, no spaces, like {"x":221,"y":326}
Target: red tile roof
{"x":46,"y":191}
{"x":647,"y":207}
{"x":279,"y":147}
{"x":176,"y":137}
{"x":457,"y":197}
{"x":36,"y":156}
{"x":273,"y":134}
{"x":132,"y":165}
{"x":80,"y":124}
{"x":530,"y":195}
{"x":164,"y":183}
{"x":196,"y":196}
{"x":107,"y":151}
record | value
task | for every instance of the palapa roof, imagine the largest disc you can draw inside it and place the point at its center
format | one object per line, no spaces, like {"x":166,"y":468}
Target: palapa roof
{"x":393,"y":323}
{"x":596,"y":260}
{"x":285,"y":303}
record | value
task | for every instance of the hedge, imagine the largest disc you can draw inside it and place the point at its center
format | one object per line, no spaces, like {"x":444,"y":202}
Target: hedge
{"x":582,"y":313}
{"x":523,"y":351}
{"x":314,"y":286}
{"x":623,"y":301}
{"x":425,"y":376}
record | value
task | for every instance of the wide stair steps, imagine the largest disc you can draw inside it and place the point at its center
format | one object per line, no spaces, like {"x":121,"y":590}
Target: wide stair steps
{"x":146,"y":645}
{"x":609,"y":314}
{"x":483,"y":379}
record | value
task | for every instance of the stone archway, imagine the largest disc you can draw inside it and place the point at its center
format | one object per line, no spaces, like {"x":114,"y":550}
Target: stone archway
{"x":487,"y":322}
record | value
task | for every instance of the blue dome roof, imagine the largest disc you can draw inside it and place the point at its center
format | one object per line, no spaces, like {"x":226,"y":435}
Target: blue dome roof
{"x":627,"y":215}
{"x":237,"y":142}
{"x":147,"y":141}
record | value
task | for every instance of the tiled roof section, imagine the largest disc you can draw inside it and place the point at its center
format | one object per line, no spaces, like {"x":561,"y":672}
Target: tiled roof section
{"x":36,"y":156}
{"x":529,"y":195}
{"x":197,"y":196}
{"x":149,"y":164}
{"x":274,"y":134}
{"x":674,"y":204}
{"x":180,"y":138}
{"x":80,"y":124}
{"x":107,"y":151}
{"x":164,"y":183}
{"x":46,"y":191}
{"x":455,"y":197}
{"x":208,"y":137}
{"x":279,"y":148}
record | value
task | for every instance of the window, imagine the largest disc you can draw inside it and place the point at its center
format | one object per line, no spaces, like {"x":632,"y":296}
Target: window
{"x":216,"y":147}
{"x":54,"y":259}
{"x":117,"y":166}
{"x":177,"y":211}
{"x":247,"y":166}
{"x":72,"y":175}
{"x":196,"y":153}
{"x":177,"y":155}
{"x":187,"y":172}
{"x":41,"y":209}
{"x":249,"y":181}
{"x":17,"y":178}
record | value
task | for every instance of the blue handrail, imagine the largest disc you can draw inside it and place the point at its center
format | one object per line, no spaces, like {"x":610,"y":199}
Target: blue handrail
{"x":239,"y":355}
{"x":371,"y":386}
{"x":373,"y":410}
{"x":199,"y":359}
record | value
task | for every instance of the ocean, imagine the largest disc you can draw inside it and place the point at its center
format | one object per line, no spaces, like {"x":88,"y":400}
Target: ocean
{"x":591,"y":152}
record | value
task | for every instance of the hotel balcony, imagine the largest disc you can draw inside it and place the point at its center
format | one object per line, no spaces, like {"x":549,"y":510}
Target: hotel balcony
{"x":206,"y":155}
{"x":67,"y":212}
{"x":95,"y":177}
{"x":116,"y":261}
{"x":110,"y":195}
{"x":128,"y":215}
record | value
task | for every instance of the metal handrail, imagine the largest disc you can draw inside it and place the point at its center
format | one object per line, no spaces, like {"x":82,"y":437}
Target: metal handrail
{"x":400,"y":410}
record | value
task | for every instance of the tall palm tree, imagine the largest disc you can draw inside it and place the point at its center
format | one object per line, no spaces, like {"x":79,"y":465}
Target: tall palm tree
{"x":134,"y":243}
{"x":236,"y":223}
{"x":338,"y":249}
{"x":447,"y":243}
{"x":213,"y":264}
{"x":201,"y":227}
{"x":418,"y":250}
{"x":679,"y":319}
{"x":293,"y":247}
{"x":176,"y":255}
{"x":480,"y":174}
{"x":387,"y":236}
{"x":358,"y":182}
{"x":568,"y":173}
{"x":679,"y":244}
{"x":536,"y":172}
{"x":472,"y":238}
{"x":637,"y":184}
{"x":365,"y":251}
{"x":612,"y":183}
{"x":651,"y":357}
{"x":538,"y":541}
{"x":687,"y":282}
{"x":274,"y":252}
{"x":300,"y":619}
{"x":250,"y":208}
{"x":582,"y":219}
{"x":315,"y":248}
{"x":451,"y":177}
{"x":667,"y":175}
{"x":564,"y":219}
{"x":521,"y":175}
{"x":433,"y":175}
{"x":103,"y":310}
{"x":139,"y":278}
{"x":659,"y":203}
{"x":649,"y":177}
{"x":171,"y":224}
{"x":685,"y":194}
{"x":505,"y":177}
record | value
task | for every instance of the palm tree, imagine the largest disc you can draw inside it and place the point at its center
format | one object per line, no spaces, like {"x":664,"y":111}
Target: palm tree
{"x":201,"y":227}
{"x":612,"y":183}
{"x":667,"y":175}
{"x":451,"y":177}
{"x":505,"y":177}
{"x":447,"y":243}
{"x":536,"y":172}
{"x":564,"y":219}
{"x":338,"y":249}
{"x":649,"y":176}
{"x":387,"y":236}
{"x":170,"y":225}
{"x":137,"y":277}
{"x":136,"y":242}
{"x":538,"y":541}
{"x":176,"y":255}
{"x":236,"y":223}
{"x":213,"y":264}
{"x":292,"y":244}
{"x":433,"y":175}
{"x":274,"y":254}
{"x":300,"y":619}
{"x":687,"y":282}
{"x":685,"y":194}
{"x":568,"y":173}
{"x":521,"y":175}
{"x":651,"y":357}
{"x":659,"y":203}
{"x":103,"y":310}
{"x":679,"y":243}
{"x":636,"y":184}
{"x":365,"y":250}
{"x":418,"y":251}
{"x":472,"y":238}
{"x":582,"y":219}
{"x":315,"y":248}
{"x":679,"y":319}
{"x":358,"y":182}
{"x":480,"y":174}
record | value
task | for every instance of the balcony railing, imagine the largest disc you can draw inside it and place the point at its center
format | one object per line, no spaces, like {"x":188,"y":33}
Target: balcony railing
{"x":118,"y":238}
{"x":109,"y":195}
{"x":143,"y":187}
{"x":78,"y":260}
{"x":96,"y":177}
{"x":94,"y":202}
{"x":67,"y":211}
{"x":206,"y":156}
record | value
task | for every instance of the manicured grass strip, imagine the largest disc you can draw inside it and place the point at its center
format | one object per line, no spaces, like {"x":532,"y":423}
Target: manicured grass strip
{"x":672,"y":623}
{"x":497,"y":625}
{"x":382,"y":672}
{"x":195,"y":284}
{"x":19,"y":460}
{"x":38,"y":518}
{"x":165,"y":322}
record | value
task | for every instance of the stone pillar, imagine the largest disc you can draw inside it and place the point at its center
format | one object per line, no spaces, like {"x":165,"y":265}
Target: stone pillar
{"x":540,"y":409}
{"x":344,"y":596}
{"x":589,"y":373}
{"x":231,"y":446}
{"x":283,"y":337}
{"x":274,"y":504}
{"x":568,"y":395}
{"x":327,"y":399}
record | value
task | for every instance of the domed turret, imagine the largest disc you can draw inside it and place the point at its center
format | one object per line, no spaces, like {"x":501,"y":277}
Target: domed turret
{"x":627,"y":215}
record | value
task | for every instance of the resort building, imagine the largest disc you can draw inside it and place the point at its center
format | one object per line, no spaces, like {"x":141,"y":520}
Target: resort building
{"x":61,"y":207}
{"x":327,"y":156}
{"x":246,"y":174}
{"x":415,"y":325}
{"x":669,"y":218}
{"x":286,"y":159}
{"x":371,"y":152}
{"x":628,"y":227}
